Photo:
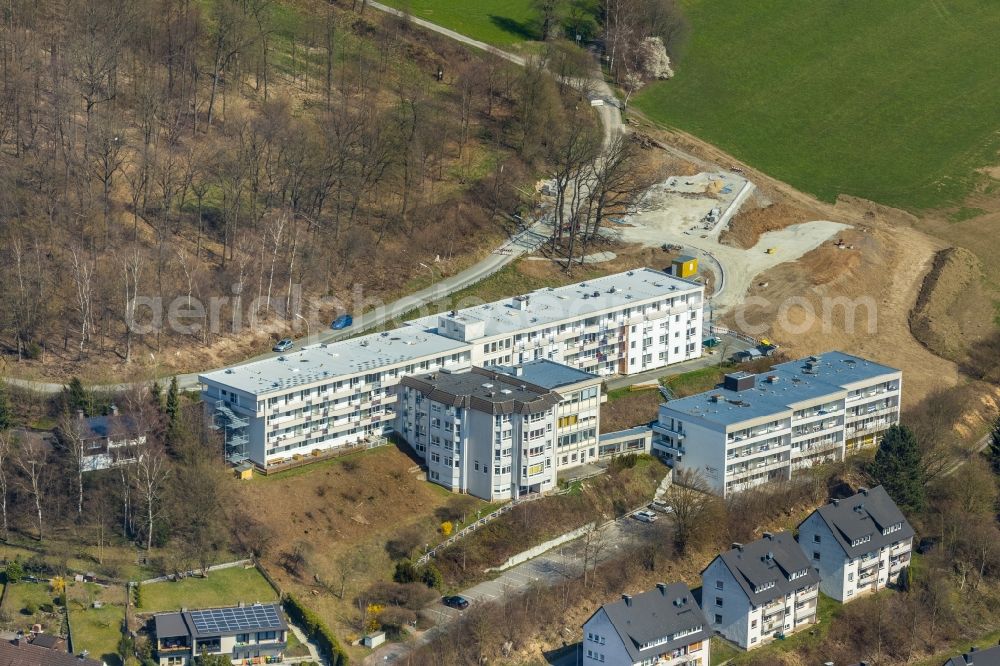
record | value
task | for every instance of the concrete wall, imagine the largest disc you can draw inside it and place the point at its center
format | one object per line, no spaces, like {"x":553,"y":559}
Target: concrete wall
{"x":542,"y":547}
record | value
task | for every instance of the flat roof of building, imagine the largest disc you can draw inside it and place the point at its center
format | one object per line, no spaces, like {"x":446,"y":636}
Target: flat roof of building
{"x":366,"y":353}
{"x":639,"y":431}
{"x":829,"y":374}
{"x":554,"y":304}
{"x":545,"y":373}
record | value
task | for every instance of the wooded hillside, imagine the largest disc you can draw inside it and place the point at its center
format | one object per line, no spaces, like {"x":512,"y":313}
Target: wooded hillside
{"x":186,"y":150}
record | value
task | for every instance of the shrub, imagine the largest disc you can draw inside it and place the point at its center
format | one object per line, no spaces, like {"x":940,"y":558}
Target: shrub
{"x":316,"y":630}
{"x":405,"y":572}
{"x":14,"y":572}
{"x":413,"y":596}
{"x":30,"y":608}
{"x":432,"y":577}
{"x":394,"y":618}
{"x":446,"y":528}
{"x":138,"y":595}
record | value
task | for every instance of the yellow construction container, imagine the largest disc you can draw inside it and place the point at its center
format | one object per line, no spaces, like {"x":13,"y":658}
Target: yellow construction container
{"x":684,"y":266}
{"x":243,"y":471}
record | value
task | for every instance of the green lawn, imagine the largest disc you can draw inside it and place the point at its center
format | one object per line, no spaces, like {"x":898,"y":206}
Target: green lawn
{"x":896,"y":101}
{"x":695,"y":381}
{"x":226,"y":587}
{"x":499,"y":22}
{"x":722,"y":651}
{"x":96,"y":630}
{"x":23,"y":605}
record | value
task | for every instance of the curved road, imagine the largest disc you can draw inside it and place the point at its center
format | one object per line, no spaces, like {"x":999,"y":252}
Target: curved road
{"x":524,"y":242}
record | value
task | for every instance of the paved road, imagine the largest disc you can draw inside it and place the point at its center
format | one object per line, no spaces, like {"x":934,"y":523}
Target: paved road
{"x":525,"y":241}
{"x":561,"y":563}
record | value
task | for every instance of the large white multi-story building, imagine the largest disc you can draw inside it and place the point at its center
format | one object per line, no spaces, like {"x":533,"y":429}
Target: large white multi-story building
{"x":759,"y":428}
{"x":756,"y":592}
{"x":338,"y":394}
{"x":859,"y":544}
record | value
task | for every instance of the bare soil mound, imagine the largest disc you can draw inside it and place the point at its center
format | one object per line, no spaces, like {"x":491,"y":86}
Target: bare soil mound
{"x":936,"y":319}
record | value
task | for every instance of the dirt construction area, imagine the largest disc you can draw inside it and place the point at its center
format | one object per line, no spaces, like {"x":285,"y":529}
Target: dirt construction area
{"x":680,"y":210}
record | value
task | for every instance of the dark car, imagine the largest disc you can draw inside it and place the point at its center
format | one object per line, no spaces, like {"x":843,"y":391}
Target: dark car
{"x":283,"y":345}
{"x":455,"y":601}
{"x":343,"y":321}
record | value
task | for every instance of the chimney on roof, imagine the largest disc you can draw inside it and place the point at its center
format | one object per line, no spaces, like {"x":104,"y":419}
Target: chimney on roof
{"x":835,"y":502}
{"x":518,"y":371}
{"x":114,"y":409}
{"x":627,"y":599}
{"x":662,"y":587}
{"x":737,"y":546}
{"x":768,"y":535}
{"x":863,"y":490}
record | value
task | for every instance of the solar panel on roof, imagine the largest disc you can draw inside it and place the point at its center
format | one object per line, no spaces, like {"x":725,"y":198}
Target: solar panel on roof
{"x":232,"y":620}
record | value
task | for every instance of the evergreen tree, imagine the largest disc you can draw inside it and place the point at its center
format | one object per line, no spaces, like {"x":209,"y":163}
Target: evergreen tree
{"x":75,"y":397}
{"x":173,"y":400}
{"x":898,"y":468}
{"x":993,"y":451}
{"x":156,"y":395}
{"x":174,"y":434}
{"x":6,"y":415}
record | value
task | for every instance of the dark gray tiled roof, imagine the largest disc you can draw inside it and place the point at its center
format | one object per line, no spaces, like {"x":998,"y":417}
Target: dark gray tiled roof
{"x":13,"y":653}
{"x":170,"y":625}
{"x":987,"y":657}
{"x":865,"y":514}
{"x":767,"y":563}
{"x":661,"y":612}
{"x":484,"y":391}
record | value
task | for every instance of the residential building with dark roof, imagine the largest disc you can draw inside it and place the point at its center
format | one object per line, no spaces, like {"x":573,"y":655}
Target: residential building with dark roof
{"x":251,"y":633}
{"x":859,"y":544}
{"x":663,"y":626}
{"x":976,"y":657}
{"x":578,"y":414}
{"x":106,"y":441}
{"x":756,"y":592}
{"x":481,"y":432}
{"x":20,"y":652}
{"x":753,"y":429}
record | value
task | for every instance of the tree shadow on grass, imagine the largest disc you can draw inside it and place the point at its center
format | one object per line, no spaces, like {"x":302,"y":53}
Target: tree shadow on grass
{"x":524,"y":30}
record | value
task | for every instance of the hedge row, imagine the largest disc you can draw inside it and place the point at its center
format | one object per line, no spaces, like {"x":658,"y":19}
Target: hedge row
{"x":316,"y":630}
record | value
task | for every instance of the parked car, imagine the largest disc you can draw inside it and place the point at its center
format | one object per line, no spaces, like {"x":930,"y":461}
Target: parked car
{"x":341,"y":322}
{"x":456,"y":601}
{"x":661,"y":506}
{"x":283,"y":345}
{"x":645,"y":516}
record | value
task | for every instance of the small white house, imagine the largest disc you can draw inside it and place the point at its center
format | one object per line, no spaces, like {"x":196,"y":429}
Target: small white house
{"x":859,"y":544}
{"x":756,"y":592}
{"x":664,"y":627}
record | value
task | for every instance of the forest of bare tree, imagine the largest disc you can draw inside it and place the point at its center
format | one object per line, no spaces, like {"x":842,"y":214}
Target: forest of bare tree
{"x":248,"y":150}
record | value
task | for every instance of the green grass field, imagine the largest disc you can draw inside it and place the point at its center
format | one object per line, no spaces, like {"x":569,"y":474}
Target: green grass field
{"x":96,"y":630}
{"x":498,"y":22}
{"x":226,"y":587}
{"x":895,"y":101}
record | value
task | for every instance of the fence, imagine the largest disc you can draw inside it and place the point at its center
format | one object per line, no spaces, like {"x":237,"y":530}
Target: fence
{"x":480,"y":523}
{"x":722,"y":330}
{"x":195,"y":572}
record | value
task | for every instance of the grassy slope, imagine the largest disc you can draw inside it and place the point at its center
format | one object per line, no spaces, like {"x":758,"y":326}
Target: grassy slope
{"x":895,"y":101}
{"x":225,"y":587}
{"x":498,"y":22}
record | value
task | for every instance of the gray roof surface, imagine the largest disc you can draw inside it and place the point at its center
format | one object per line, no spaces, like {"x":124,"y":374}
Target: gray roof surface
{"x":556,"y":304}
{"x":220,"y":621}
{"x":169,"y":625}
{"x":484,"y":391}
{"x":835,"y":371}
{"x":769,"y":560}
{"x":866,"y":513}
{"x":621,"y":434}
{"x":987,"y":657}
{"x":366,"y":353}
{"x":653,"y":615}
{"x":545,"y":373}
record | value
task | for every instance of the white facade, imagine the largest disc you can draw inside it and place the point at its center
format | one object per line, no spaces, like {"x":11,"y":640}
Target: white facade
{"x":871,"y":560}
{"x":756,"y":429}
{"x":340,"y":394}
{"x":663,"y":627}
{"x":784,"y":601}
{"x":494,"y":456}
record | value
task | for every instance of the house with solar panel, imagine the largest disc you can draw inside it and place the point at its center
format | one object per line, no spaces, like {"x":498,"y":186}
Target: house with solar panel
{"x":248,"y":633}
